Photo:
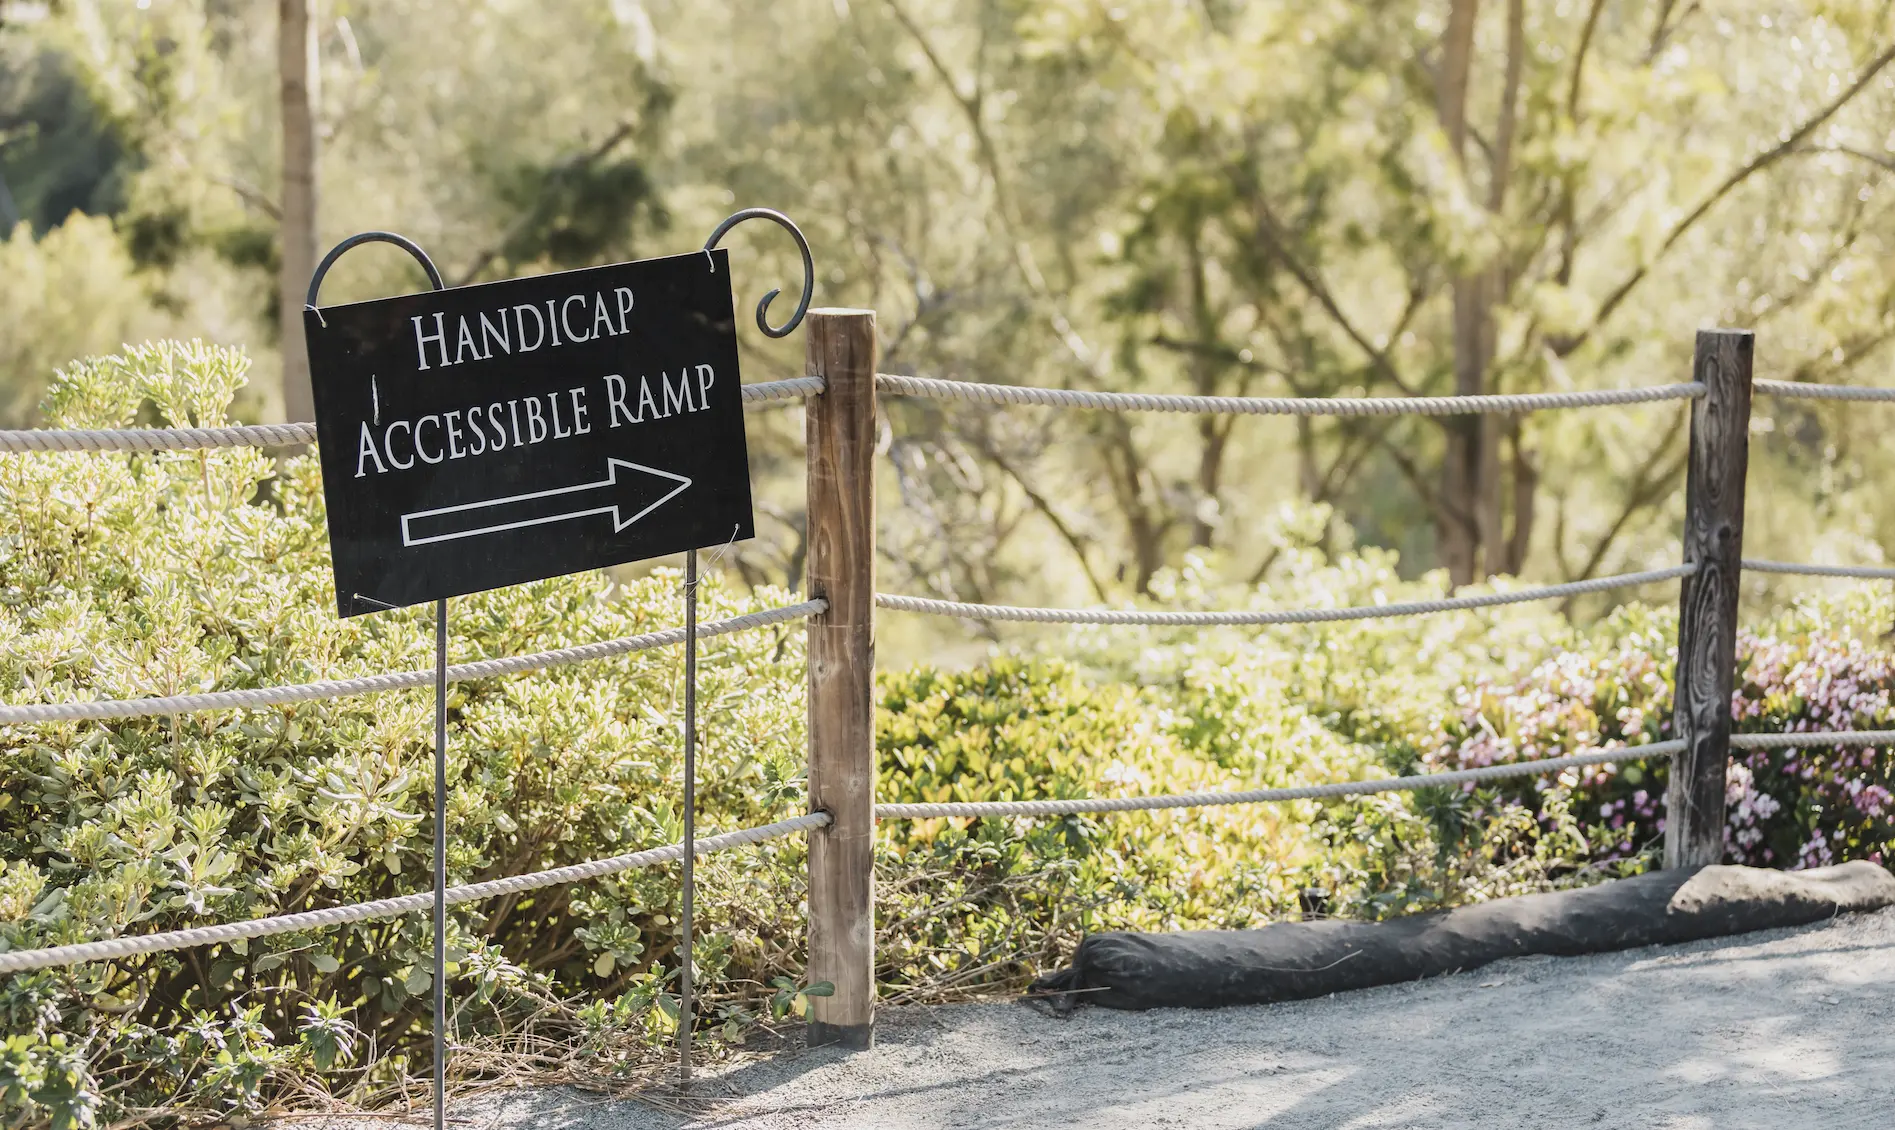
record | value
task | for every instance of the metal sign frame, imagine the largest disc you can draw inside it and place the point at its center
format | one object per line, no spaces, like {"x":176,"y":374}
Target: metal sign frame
{"x":688,"y":876}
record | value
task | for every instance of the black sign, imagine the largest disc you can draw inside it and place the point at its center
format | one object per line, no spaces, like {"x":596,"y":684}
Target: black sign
{"x":489,"y":435}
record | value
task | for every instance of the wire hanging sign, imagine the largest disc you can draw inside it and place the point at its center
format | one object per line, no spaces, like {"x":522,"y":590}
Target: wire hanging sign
{"x":505,"y":432}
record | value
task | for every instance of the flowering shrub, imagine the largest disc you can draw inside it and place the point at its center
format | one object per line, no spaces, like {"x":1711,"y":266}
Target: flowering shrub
{"x":1819,"y":667}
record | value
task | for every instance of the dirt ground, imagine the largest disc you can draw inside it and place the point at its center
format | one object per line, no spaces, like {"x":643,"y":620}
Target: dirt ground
{"x":1788,"y":1028}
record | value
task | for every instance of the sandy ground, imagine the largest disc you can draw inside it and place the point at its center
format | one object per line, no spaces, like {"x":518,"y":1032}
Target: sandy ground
{"x":1779,"y":1029}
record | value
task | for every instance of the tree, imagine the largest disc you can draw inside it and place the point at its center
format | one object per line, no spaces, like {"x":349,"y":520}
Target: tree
{"x":301,"y":76}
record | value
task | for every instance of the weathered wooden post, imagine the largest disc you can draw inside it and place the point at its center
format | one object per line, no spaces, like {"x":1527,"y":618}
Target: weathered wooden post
{"x":842,"y":351}
{"x":1707,"y":615}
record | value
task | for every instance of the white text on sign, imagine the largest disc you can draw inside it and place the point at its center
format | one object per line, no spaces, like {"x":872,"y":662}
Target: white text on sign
{"x":506,"y":331}
{"x":482,"y":429}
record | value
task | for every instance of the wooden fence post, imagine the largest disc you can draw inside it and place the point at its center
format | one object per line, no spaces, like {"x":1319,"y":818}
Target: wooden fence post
{"x":841,"y":569}
{"x":1707,"y":612}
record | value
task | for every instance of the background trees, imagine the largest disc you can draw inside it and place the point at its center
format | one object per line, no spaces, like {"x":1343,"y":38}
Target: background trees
{"x":1232,"y":198}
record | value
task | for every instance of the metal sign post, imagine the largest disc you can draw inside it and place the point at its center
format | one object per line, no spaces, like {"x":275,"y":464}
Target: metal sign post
{"x":440,"y":864}
{"x":503,"y":433}
{"x":688,"y":880}
{"x":312,"y":312}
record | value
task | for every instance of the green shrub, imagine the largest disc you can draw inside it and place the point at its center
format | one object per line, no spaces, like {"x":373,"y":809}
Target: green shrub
{"x":129,"y":575}
{"x":1007,"y":896}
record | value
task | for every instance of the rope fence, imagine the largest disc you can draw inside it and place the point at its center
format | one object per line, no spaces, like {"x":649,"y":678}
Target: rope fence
{"x":1813,"y":738}
{"x":1299,"y":616}
{"x":795,"y":388}
{"x":1257,"y":796}
{"x":936,"y":389}
{"x":270,"y":435}
{"x":22,"y":960}
{"x":156,"y":439}
{"x":113,"y":948}
{"x":1858,"y":572}
{"x":285,"y":435}
{"x":1798,"y":390}
{"x":393,"y":681}
{"x":1073,"y":807}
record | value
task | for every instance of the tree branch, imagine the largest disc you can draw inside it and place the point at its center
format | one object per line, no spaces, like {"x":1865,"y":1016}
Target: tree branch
{"x":1509,"y":108}
{"x":1648,"y":484}
{"x":1045,"y":506}
{"x":577,"y":162}
{"x":1664,"y":29}
{"x":1270,"y":233}
{"x":1416,"y":479}
{"x":1579,"y":58}
{"x":1089,"y":360}
{"x":1847,"y":151}
{"x":1762,"y":161}
{"x":250,"y":194}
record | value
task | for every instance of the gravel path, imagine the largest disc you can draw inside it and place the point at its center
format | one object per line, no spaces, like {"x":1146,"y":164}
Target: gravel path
{"x":1779,"y":1029}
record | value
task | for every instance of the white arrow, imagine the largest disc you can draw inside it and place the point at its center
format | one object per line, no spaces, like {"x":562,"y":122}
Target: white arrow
{"x":619,"y":478}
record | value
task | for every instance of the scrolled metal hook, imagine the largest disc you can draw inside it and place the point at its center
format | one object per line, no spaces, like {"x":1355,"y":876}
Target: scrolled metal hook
{"x":401,"y":241}
{"x":809,"y":267}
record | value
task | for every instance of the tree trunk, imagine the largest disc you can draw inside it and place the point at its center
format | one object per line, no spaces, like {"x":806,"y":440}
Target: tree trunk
{"x":1473,"y":538}
{"x":1461,"y":462}
{"x":1212,"y":437}
{"x":1457,"y":57}
{"x":1131,"y":486}
{"x":300,"y":75}
{"x":1307,"y":478}
{"x":1205,"y":370}
{"x":1497,"y":549}
{"x":1526,"y":488}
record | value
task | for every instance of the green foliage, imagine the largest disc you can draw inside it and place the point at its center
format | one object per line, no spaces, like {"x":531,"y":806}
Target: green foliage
{"x":48,"y":1076}
{"x":59,"y":151}
{"x":70,"y":294}
{"x":1012,"y":895}
{"x":125,"y":575}
{"x":1059,"y":192}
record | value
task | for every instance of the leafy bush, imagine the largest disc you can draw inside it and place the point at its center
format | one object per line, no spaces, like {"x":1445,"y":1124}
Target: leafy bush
{"x":1440,"y":692}
{"x":1381,"y":682}
{"x":978,"y":902}
{"x":128,"y":575}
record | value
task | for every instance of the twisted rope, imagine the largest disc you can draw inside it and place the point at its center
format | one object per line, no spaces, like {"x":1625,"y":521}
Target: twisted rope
{"x":396,"y":680}
{"x":1256,"y":796}
{"x":157,"y":439}
{"x":1861,"y":572}
{"x":1798,"y":390}
{"x":22,"y":960}
{"x":1277,"y":406}
{"x":269,"y":435}
{"x":1301,"y":616}
{"x":1813,"y":738}
{"x":796,"y":388}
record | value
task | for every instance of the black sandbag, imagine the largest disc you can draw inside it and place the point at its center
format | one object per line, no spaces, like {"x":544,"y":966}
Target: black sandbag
{"x":1296,"y":960}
